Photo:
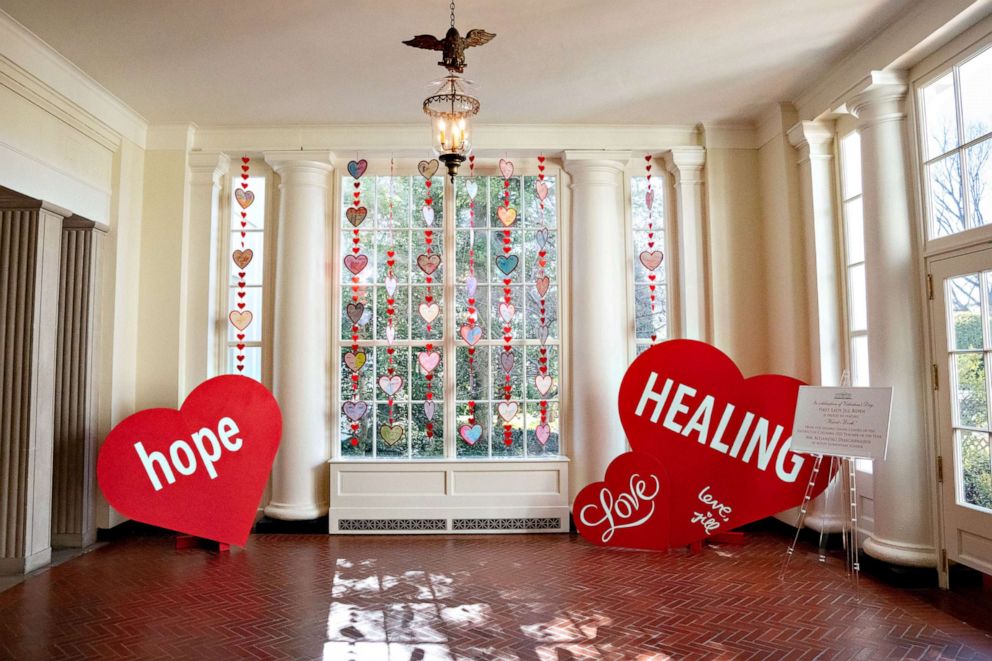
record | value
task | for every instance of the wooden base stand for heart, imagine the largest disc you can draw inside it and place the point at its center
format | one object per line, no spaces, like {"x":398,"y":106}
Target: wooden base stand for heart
{"x":731,"y":537}
{"x":192,"y":542}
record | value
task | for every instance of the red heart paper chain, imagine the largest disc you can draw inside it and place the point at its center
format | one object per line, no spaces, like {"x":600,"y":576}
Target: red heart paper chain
{"x":543,"y":381}
{"x":242,"y":318}
{"x":356,"y":262}
{"x":507,"y":263}
{"x":651,"y":259}
{"x":394,"y":432}
{"x":428,"y":262}
{"x":470,"y":332}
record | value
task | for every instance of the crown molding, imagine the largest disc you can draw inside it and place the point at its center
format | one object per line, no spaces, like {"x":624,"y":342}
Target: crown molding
{"x":64,"y":86}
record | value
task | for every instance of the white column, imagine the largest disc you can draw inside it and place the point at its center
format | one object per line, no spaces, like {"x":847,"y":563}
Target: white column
{"x":686,"y":166}
{"x":201,"y":267}
{"x":598,"y":312}
{"x":814,"y":142}
{"x":300,"y":378}
{"x":903,"y":531}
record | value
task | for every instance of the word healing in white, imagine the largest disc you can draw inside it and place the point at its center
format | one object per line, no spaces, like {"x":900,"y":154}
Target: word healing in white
{"x":226,"y":428}
{"x":623,"y":507}
{"x":700,"y":425}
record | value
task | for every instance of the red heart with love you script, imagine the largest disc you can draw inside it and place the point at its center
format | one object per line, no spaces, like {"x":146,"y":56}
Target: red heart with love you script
{"x":724,"y":440}
{"x":629,"y":509}
{"x":200,"y":470}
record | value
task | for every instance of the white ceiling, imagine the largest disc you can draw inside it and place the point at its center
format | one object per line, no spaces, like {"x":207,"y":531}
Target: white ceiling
{"x":255,"y":62}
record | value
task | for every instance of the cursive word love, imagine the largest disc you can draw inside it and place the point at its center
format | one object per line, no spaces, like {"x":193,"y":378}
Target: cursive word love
{"x":623,"y":507}
{"x":716,"y":509}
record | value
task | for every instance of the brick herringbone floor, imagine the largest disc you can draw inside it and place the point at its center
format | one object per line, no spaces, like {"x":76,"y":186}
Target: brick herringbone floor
{"x":546,"y":597}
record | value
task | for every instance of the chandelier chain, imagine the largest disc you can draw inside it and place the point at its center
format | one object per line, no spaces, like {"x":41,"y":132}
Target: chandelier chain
{"x":452,"y":6}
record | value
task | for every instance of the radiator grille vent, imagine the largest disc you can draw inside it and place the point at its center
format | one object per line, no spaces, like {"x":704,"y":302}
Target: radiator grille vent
{"x":392,"y":524}
{"x":545,"y":523}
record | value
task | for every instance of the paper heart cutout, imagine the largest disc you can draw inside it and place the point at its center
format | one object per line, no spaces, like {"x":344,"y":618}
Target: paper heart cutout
{"x":242,"y":257}
{"x":506,"y":361}
{"x":428,"y":214}
{"x":505,"y":168}
{"x":471,"y":188}
{"x":391,"y":384}
{"x":470,"y":433}
{"x":354,"y":311}
{"x":542,"y":190}
{"x":391,"y":283}
{"x":429,"y":311}
{"x":428,"y":360}
{"x":210,"y":460}
{"x":542,"y":333}
{"x":543,"y":433}
{"x":542,"y":236}
{"x":651,"y":259}
{"x":507,"y":410}
{"x":391,"y":434}
{"x":543,"y":383}
{"x":629,"y":508}
{"x":356,"y":263}
{"x":506,"y":215}
{"x":506,"y":311}
{"x":357,"y":168}
{"x":240,"y":319}
{"x":429,"y":263}
{"x":507,"y":263}
{"x":728,"y":436}
{"x":356,"y":216}
{"x":427,"y":169}
{"x":429,"y":409}
{"x":542,"y":285}
{"x":244,"y":197}
{"x":471,"y":334}
{"x":649,"y":199}
{"x":470,"y":285}
{"x":355,"y":361}
{"x":355,"y":411}
{"x":390,"y":334}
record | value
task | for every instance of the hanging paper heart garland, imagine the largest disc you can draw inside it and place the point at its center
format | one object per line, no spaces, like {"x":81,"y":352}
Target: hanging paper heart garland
{"x":392,"y":432}
{"x":651,"y":259}
{"x":470,"y":331}
{"x":507,"y":263}
{"x":542,"y":283}
{"x":242,"y":318}
{"x":428,"y":262}
{"x":356,"y":262}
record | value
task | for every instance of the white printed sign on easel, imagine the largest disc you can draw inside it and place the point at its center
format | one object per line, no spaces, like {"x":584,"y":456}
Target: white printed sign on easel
{"x":843,"y":422}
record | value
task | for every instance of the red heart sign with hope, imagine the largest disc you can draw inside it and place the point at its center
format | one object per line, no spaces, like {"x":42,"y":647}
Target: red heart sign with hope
{"x":199,"y":470}
{"x":629,"y":509}
{"x":724,"y":440}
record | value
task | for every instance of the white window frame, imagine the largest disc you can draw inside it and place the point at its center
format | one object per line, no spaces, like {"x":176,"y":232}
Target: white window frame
{"x":523,"y":167}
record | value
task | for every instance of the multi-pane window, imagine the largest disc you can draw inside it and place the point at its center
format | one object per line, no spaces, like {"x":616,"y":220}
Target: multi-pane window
{"x":531,"y":234}
{"x":854,"y":258}
{"x":246,"y":255}
{"x":648,"y":238}
{"x":396,"y":223}
{"x":956,"y":121}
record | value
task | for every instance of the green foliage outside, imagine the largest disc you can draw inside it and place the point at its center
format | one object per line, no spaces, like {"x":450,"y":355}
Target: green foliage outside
{"x":973,"y":404}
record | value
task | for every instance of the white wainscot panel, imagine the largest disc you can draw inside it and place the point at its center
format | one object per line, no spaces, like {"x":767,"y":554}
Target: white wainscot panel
{"x":496,"y":496}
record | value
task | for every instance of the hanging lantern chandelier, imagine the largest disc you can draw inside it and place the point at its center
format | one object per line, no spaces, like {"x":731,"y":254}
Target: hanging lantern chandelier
{"x":450,"y":109}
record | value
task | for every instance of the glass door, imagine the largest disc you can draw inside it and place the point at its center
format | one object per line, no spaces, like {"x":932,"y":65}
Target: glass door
{"x":961,"y":315}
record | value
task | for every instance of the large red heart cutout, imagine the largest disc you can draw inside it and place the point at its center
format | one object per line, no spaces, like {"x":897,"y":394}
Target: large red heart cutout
{"x":629,"y":509}
{"x":200,"y":470}
{"x":724,"y":440}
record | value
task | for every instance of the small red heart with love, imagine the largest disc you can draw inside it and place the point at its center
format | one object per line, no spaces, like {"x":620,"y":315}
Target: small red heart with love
{"x":629,"y":509}
{"x":724,"y":440}
{"x":199,"y":470}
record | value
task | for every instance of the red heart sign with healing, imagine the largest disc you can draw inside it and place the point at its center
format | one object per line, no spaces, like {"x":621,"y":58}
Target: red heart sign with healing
{"x":199,"y":470}
{"x":628,"y":509}
{"x":724,"y":440}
